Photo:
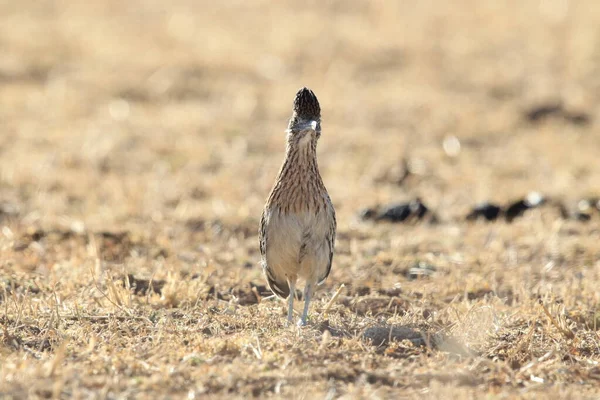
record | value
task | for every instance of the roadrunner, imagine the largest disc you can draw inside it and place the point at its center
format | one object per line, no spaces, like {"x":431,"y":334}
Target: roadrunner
{"x":297,"y":227}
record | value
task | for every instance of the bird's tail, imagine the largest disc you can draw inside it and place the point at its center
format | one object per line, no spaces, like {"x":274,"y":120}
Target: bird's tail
{"x":280,"y":288}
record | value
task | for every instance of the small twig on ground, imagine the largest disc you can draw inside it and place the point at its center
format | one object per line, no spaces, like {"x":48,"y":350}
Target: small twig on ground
{"x":332,"y":300}
{"x":150,"y":288}
{"x":56,"y":307}
{"x":565,"y":331}
{"x":107,"y":296}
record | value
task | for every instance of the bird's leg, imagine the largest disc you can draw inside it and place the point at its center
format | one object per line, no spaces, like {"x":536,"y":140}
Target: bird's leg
{"x":307,"y":296}
{"x":292,"y":285}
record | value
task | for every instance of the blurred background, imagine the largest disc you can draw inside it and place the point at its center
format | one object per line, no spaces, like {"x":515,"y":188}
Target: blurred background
{"x":139,"y":141}
{"x":119,"y":113}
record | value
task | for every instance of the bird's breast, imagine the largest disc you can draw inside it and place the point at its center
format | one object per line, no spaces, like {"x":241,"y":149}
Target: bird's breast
{"x":289,"y":233}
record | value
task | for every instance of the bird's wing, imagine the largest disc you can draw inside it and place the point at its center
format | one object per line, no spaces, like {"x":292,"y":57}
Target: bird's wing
{"x":280,"y":288}
{"x":262,"y":235}
{"x":331,"y":243}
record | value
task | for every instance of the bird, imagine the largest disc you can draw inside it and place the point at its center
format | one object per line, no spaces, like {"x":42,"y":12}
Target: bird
{"x":298,"y":224}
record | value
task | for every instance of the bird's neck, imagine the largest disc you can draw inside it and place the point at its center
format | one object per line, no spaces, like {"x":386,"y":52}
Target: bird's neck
{"x":300,"y":160}
{"x":299,"y":187}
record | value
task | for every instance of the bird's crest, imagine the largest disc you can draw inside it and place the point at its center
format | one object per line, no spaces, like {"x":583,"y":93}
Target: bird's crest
{"x":306,"y":104}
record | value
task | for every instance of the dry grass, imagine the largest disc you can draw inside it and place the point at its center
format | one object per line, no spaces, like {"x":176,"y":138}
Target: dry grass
{"x":139,"y":142}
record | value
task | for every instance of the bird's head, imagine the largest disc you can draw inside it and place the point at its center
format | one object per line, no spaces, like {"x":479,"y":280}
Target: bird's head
{"x":306,"y":118}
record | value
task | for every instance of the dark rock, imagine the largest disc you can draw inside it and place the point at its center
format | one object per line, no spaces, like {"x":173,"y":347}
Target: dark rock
{"x":479,"y":294}
{"x":37,"y":235}
{"x":491,"y":212}
{"x":577,"y":117}
{"x":368,"y":213}
{"x":540,"y":111}
{"x":488,"y":211}
{"x":383,"y":335}
{"x":363,"y":291}
{"x":393,"y":292}
{"x":395,"y":213}
{"x":144,"y":286}
{"x":583,"y":217}
{"x":413,"y":210}
{"x":515,"y":210}
{"x":556,"y":109}
{"x":519,"y":207}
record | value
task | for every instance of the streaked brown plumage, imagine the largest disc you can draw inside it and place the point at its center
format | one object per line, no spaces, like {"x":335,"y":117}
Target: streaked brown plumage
{"x":297,"y":227}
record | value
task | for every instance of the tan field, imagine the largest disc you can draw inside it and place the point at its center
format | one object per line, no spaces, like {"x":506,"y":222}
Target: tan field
{"x":140,"y":139}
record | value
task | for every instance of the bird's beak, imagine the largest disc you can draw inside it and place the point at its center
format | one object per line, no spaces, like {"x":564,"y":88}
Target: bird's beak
{"x":306,"y":127}
{"x":310,"y":126}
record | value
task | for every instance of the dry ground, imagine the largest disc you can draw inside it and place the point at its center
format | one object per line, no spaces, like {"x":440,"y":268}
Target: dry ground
{"x":139,"y":140}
